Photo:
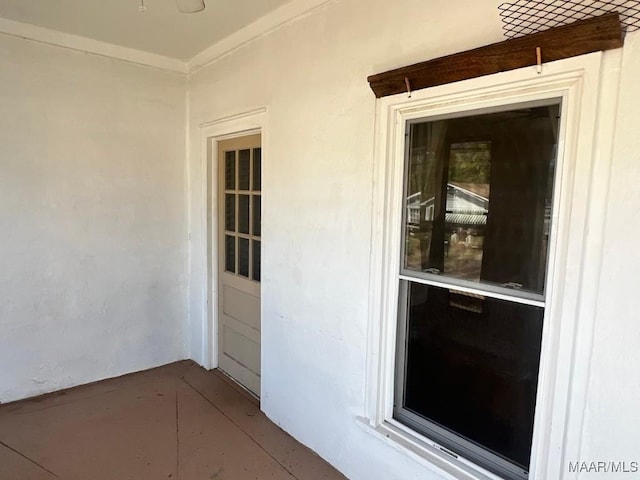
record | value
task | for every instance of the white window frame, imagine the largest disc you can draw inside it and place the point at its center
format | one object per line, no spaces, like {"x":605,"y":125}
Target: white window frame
{"x":588,"y":88}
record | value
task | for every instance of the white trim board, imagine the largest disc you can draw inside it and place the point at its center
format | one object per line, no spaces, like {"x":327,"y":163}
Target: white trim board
{"x":204,"y":335}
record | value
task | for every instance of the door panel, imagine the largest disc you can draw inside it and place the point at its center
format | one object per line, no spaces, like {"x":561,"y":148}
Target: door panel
{"x":242,"y":307}
{"x":239,"y":224}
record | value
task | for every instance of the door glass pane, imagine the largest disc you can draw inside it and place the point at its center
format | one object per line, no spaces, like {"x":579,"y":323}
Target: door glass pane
{"x":243,"y":169}
{"x":257,"y":168}
{"x":257,"y":204}
{"x":230,"y":170}
{"x":230,"y":212}
{"x":480,"y":355}
{"x":243,"y":213}
{"x":479,"y":196}
{"x":243,"y":257}
{"x":230,"y":253}
{"x":255,"y":246}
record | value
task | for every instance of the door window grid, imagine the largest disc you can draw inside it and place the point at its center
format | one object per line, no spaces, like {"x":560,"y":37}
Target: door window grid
{"x":242,"y":212}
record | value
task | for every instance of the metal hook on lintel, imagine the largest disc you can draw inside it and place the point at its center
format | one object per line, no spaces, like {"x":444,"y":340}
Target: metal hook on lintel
{"x":406,"y":82}
{"x":538,"y":60}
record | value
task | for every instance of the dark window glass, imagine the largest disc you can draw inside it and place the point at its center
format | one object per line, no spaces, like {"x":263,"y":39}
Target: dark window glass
{"x":472,"y":367}
{"x":477,"y":213}
{"x":256,"y":259}
{"x":256,"y":215}
{"x":243,"y":169}
{"x":257,"y":168}
{"x":243,"y":257}
{"x":243,"y":213}
{"x":230,"y":170}
{"x":230,"y":253}
{"x":478,"y":196}
{"x":230,"y":212}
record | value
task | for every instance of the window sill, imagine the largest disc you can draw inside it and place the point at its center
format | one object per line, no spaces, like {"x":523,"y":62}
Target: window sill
{"x":425,"y":452}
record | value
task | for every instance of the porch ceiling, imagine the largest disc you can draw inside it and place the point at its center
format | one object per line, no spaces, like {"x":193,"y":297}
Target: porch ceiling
{"x":161,"y":29}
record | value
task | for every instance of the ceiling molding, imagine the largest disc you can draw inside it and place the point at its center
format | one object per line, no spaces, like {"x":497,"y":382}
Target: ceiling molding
{"x":289,"y":12}
{"x":88,"y":45}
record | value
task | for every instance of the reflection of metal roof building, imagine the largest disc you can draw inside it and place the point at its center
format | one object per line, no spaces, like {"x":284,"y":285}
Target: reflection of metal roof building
{"x":467,"y":204}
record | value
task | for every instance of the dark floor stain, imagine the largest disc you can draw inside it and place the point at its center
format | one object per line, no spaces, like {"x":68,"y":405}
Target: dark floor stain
{"x":217,"y":473}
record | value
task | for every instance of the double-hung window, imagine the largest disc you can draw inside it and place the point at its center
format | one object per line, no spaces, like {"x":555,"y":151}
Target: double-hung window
{"x":484,"y":255}
{"x":478,"y":190}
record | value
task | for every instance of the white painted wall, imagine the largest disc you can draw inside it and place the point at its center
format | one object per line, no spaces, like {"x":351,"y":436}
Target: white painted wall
{"x":612,"y":423}
{"x":92,"y":222}
{"x":317,"y":181}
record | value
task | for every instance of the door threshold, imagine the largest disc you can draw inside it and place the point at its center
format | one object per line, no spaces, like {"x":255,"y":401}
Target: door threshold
{"x":233,"y":383}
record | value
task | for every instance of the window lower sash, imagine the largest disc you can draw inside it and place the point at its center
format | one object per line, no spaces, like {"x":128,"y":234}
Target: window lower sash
{"x":454,"y":445}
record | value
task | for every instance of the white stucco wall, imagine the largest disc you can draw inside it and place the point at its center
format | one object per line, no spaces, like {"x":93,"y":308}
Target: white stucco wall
{"x":317,"y":183}
{"x":612,"y":424}
{"x":92,"y":223}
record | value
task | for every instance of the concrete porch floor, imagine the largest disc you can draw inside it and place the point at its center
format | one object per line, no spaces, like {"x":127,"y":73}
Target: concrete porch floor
{"x":176,"y":422}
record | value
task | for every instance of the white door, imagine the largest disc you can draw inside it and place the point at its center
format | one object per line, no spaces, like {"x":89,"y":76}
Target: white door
{"x":239,"y":206}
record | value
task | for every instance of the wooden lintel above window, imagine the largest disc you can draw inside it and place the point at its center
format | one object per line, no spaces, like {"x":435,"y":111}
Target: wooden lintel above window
{"x":584,"y":36}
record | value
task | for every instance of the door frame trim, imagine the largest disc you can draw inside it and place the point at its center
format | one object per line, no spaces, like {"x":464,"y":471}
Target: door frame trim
{"x":239,"y":125}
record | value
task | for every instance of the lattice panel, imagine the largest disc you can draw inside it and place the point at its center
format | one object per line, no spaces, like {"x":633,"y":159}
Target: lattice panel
{"x":524,"y":17}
